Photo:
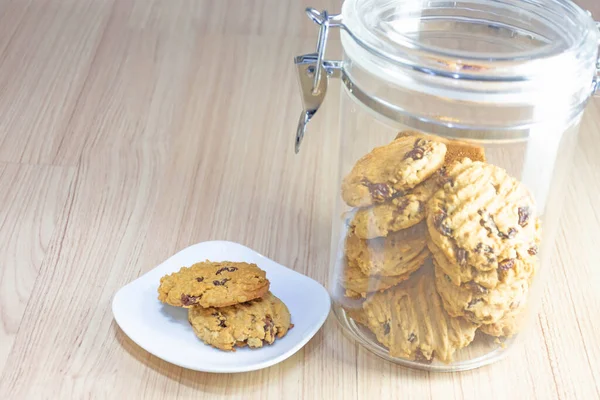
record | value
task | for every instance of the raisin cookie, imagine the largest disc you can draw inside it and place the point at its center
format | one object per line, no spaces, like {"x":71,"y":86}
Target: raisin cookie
{"x":476,"y":303}
{"x":393,"y":255}
{"x":396,"y":214}
{"x":357,"y":284}
{"x":391,"y":170}
{"x":253,"y":323}
{"x":456,"y":150}
{"x":519,"y":269}
{"x":213,"y":284}
{"x":412,"y":323}
{"x":508,"y":325}
{"x":482,"y":217}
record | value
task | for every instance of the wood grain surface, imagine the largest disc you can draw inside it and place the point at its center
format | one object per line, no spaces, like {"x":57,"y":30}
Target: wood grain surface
{"x":130,"y":129}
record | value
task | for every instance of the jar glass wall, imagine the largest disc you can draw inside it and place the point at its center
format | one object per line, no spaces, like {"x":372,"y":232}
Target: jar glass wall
{"x":443,"y":273}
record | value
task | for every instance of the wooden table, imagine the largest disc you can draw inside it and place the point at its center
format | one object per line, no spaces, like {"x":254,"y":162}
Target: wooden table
{"x":130,"y":129}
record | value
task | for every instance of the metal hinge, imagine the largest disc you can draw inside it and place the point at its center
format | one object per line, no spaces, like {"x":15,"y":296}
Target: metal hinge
{"x":314,"y":71}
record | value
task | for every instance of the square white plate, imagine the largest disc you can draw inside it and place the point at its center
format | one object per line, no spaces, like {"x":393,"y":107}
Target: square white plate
{"x":164,"y":330}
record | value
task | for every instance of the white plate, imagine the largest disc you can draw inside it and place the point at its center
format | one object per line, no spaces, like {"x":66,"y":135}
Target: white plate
{"x":164,"y":331}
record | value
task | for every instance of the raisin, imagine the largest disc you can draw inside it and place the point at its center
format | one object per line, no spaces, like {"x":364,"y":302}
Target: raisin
{"x":461,"y":257}
{"x":221,"y":282}
{"x":507,"y":264}
{"x":420,"y":357}
{"x":269,"y":326}
{"x":416,"y":153}
{"x":442,"y":177}
{"x":512,"y":232}
{"x":380,"y":191}
{"x":222,"y":323}
{"x":473,"y":302}
{"x":188,"y":300}
{"x":438,"y":222}
{"x":200,"y":279}
{"x":412,"y":337}
{"x":524,"y":213}
{"x":228,"y":269}
{"x":532,"y":250}
{"x":487,"y":221}
{"x":420,"y":142}
{"x":402,"y":206}
{"x":477,"y":288}
{"x":483,"y":248}
{"x":386,"y":328}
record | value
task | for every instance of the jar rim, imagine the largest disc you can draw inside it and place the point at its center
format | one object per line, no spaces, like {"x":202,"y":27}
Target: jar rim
{"x":566,"y":41}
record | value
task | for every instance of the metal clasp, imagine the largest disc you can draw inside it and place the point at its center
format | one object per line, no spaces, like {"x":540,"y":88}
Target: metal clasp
{"x":596,"y":80}
{"x":314,"y":71}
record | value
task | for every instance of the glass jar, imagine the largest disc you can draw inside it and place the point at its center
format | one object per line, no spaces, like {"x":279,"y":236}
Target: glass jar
{"x":459,"y":120}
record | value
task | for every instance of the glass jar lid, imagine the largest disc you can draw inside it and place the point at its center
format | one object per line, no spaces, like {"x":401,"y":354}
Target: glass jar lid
{"x":483,"y":40}
{"x":508,"y":64}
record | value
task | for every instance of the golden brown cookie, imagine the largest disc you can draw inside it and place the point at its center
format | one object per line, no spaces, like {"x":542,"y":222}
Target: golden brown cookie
{"x":358,"y":315}
{"x":483,"y":218}
{"x":357,"y":284}
{"x":476,"y":303}
{"x":411,"y":322}
{"x":396,"y":214}
{"x":252,"y":323}
{"x":213,"y":284}
{"x":391,"y":170}
{"x":520,"y":269}
{"x":508,"y":325}
{"x":393,"y":255}
{"x":456,"y":150}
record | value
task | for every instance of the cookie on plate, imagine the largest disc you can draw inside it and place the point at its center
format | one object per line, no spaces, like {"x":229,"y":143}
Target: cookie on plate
{"x":411,"y":322}
{"x":476,"y":303}
{"x":456,"y":150}
{"x":252,"y":323}
{"x":391,"y":170}
{"x":482,"y":217}
{"x":393,"y":255}
{"x":213,"y":284}
{"x":394,"y":215}
{"x":357,"y":284}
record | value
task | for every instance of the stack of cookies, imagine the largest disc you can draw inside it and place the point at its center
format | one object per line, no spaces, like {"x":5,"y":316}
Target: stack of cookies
{"x":229,"y":303}
{"x":389,"y":188}
{"x":484,"y":238}
{"x":480,"y":232}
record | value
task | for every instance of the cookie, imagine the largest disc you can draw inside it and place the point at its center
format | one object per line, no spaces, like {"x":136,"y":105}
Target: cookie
{"x":252,"y":323}
{"x":476,"y":303}
{"x":393,"y":255}
{"x":412,"y":323}
{"x":213,"y":284}
{"x":358,"y":315}
{"x":357,"y":284}
{"x":462,"y":274}
{"x":520,"y":269}
{"x":391,"y":170}
{"x":456,"y":150}
{"x":483,"y":218}
{"x":396,"y":214}
{"x":508,"y":325}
